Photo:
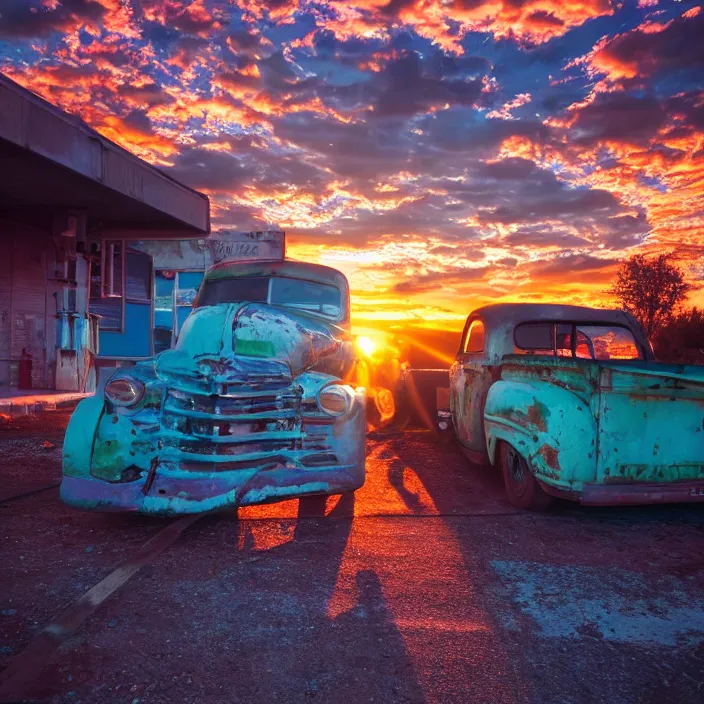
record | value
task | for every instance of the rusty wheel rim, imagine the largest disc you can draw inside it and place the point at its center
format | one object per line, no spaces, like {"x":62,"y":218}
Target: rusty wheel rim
{"x":384,"y":400}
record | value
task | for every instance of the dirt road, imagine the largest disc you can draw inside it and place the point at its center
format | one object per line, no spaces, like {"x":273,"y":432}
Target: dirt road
{"x":425,"y":587}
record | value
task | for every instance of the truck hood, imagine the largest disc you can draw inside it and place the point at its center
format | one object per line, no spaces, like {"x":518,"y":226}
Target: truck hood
{"x":246,"y":345}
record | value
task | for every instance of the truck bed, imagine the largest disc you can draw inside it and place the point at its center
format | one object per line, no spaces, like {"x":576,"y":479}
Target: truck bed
{"x":649,"y":417}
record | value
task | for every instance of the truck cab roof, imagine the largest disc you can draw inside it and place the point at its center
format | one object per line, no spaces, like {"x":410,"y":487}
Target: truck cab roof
{"x":501,"y":319}
{"x":536,"y":312}
{"x":316,"y":278}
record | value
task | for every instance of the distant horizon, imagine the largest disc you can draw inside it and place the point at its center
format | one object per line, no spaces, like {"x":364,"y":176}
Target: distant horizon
{"x":443,"y":155}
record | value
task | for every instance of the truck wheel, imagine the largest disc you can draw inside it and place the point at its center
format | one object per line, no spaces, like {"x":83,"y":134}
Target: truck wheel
{"x":522,"y":488}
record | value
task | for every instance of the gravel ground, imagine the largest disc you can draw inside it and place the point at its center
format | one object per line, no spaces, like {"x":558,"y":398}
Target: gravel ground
{"x":425,"y":587}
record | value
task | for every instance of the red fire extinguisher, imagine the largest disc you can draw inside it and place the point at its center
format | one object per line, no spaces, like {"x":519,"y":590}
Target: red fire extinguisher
{"x":25,"y":380}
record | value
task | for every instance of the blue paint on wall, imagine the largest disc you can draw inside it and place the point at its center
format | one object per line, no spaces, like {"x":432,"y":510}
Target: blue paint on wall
{"x":135,"y":339}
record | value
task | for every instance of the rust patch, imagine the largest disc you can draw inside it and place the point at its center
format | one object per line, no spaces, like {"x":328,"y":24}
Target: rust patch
{"x":537,"y":415}
{"x":549,"y":455}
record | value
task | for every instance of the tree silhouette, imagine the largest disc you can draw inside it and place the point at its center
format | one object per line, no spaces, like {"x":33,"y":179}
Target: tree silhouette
{"x":681,"y":339}
{"x":651,"y":289}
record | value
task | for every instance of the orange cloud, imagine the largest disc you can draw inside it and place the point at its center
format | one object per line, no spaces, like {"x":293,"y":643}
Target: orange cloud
{"x":651,"y":47}
{"x":445,"y":22}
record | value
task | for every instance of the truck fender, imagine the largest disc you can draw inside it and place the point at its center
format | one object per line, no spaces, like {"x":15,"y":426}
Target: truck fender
{"x":552,"y":428}
{"x":80,"y":435}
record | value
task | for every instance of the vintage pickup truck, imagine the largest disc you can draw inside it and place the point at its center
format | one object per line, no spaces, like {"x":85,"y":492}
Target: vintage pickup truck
{"x":252,"y":404}
{"x":569,"y":402}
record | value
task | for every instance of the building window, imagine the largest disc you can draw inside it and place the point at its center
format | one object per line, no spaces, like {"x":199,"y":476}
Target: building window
{"x":174,"y":293}
{"x":118,"y":273}
{"x":106,"y":283}
{"x":164,"y":283}
{"x":138,"y":279}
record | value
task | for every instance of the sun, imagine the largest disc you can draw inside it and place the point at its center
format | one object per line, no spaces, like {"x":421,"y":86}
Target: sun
{"x":366,"y":344}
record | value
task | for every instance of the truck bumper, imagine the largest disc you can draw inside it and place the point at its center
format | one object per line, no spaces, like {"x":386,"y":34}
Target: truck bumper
{"x":169,"y":494}
{"x":632,"y":494}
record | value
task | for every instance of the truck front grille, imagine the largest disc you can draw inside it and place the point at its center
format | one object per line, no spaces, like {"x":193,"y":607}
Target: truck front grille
{"x":252,"y":430}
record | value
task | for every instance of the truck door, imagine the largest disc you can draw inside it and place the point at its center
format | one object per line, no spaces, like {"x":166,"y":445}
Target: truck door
{"x":469,"y":384}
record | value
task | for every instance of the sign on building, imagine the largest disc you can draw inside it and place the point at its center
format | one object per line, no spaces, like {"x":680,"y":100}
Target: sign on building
{"x":199,"y":255}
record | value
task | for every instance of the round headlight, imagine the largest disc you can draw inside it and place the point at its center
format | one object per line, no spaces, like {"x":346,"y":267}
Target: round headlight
{"x":124,"y":391}
{"x":335,"y":400}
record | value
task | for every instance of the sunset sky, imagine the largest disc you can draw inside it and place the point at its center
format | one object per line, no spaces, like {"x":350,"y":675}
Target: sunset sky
{"x":442,"y":153}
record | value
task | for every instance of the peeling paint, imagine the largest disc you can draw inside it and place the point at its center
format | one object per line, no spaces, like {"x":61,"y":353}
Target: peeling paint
{"x":228,"y":418}
{"x":596,"y":431}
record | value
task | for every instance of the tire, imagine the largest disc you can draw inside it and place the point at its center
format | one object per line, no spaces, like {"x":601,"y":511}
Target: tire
{"x":522,"y":488}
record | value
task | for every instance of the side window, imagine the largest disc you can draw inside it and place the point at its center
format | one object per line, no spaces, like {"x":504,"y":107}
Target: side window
{"x":534,"y":338}
{"x":609,"y":342}
{"x":474,"y":342}
{"x":599,"y":342}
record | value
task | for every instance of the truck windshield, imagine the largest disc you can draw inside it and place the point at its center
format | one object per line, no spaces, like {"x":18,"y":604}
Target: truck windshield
{"x":588,"y":341}
{"x":277,"y":290}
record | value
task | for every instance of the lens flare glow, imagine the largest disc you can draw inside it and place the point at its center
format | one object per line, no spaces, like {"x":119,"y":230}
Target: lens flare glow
{"x":367,"y":345}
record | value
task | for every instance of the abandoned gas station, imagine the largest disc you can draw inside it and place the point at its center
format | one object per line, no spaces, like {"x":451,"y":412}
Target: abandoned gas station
{"x":72,"y":203}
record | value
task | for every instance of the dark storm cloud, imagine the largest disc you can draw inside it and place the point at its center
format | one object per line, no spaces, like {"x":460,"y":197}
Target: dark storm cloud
{"x":30,"y":18}
{"x":210,"y":170}
{"x":234,"y":80}
{"x":139,"y":120}
{"x":246,"y":162}
{"x":245,"y":40}
{"x":542,"y":236}
{"x":689,"y":110}
{"x":507,"y":169}
{"x":513,"y":184}
{"x":225,"y":213}
{"x":150,"y":94}
{"x":439,"y":64}
{"x":618,"y":117}
{"x":465,"y":251}
{"x":559,"y":203}
{"x":278,"y":70}
{"x":464,"y":131}
{"x":404,"y":85}
{"x":183,"y":15}
{"x":358,"y":150}
{"x":405,"y":88}
{"x":516,"y":192}
{"x":282,"y":171}
{"x":368,"y":151}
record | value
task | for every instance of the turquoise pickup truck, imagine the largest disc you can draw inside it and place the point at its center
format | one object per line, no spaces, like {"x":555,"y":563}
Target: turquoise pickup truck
{"x":569,"y":402}
{"x":255,"y":403}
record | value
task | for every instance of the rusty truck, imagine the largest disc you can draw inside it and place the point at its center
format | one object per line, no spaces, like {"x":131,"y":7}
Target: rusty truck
{"x":569,"y":402}
{"x":254,"y":402}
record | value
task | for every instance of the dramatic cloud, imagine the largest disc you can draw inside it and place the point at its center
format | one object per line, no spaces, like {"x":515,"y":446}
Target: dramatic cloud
{"x":38,"y":18}
{"x":443,"y":153}
{"x":655,"y":48}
